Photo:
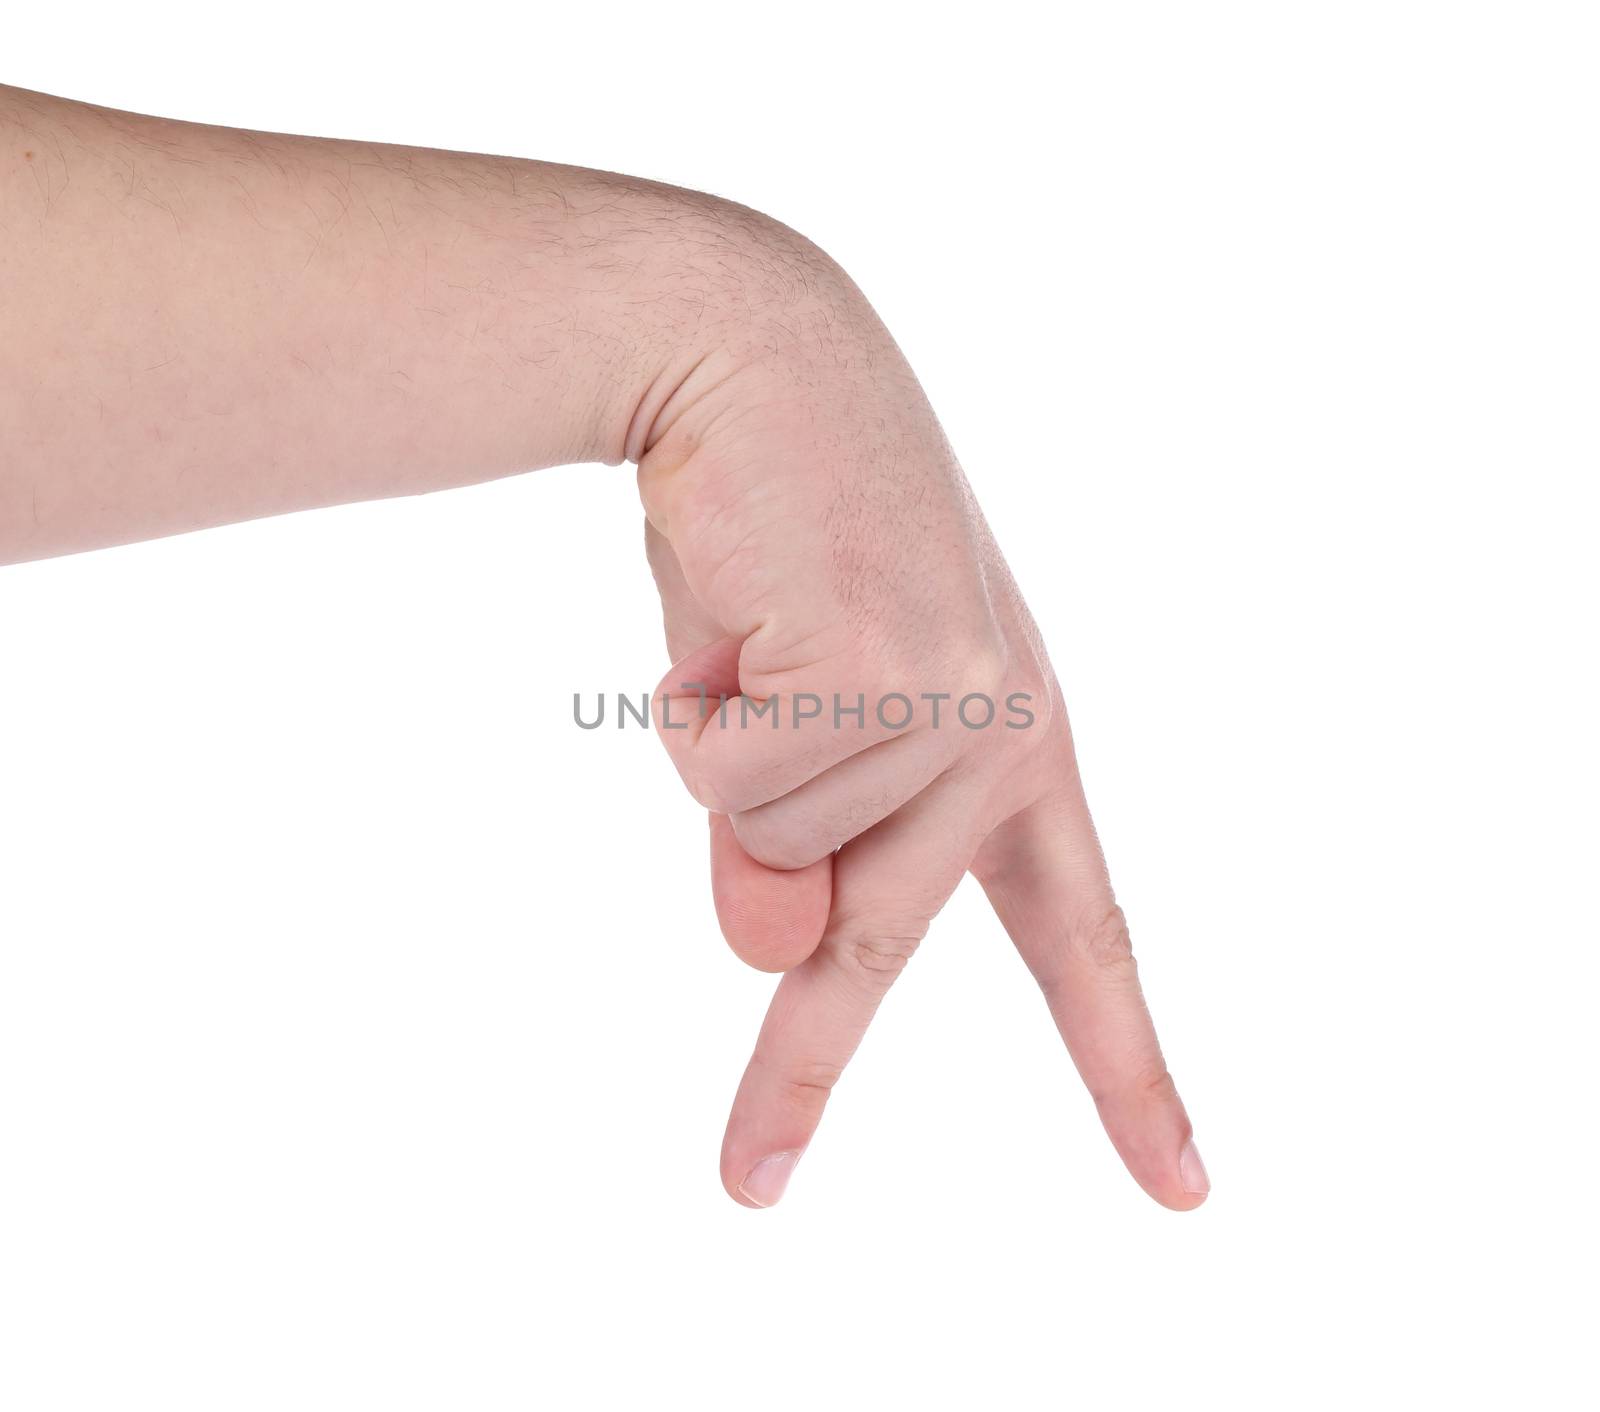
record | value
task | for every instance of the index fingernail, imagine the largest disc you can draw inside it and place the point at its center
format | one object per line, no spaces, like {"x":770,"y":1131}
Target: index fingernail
{"x":1192,"y":1171}
{"x":764,"y":1183}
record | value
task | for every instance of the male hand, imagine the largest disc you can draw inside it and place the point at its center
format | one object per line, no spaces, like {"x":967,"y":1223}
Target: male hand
{"x":817,"y":548}
{"x":265,"y":323}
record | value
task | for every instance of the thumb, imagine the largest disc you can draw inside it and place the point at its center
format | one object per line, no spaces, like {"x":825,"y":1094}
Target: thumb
{"x":772,"y":919}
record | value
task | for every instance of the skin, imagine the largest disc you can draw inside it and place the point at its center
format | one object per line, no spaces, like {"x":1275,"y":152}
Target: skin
{"x":206,"y":325}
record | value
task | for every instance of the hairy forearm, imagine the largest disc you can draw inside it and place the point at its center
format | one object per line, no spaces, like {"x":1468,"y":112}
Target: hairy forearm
{"x":204,"y":325}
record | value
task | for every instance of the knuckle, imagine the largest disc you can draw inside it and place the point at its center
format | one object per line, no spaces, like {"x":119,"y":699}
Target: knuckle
{"x":983,"y":668}
{"x":1037,"y":692}
{"x":1151,"y":1083}
{"x":1030,"y":703}
{"x":966,"y":664}
{"x":1101,"y":938}
{"x":1156,"y":1083}
{"x":807,"y":1079}
{"x":874,"y":958}
{"x":803,"y":1085}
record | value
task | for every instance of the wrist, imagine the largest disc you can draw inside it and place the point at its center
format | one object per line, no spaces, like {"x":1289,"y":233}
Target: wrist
{"x":677,"y":294}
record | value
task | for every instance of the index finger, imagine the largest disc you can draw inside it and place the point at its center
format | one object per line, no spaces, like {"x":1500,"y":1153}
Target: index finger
{"x":888,"y":884}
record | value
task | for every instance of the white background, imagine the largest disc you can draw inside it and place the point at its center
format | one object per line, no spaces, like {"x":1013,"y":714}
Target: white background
{"x":365,"y":1032}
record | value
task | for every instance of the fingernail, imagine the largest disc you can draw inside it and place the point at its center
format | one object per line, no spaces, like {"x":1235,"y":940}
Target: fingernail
{"x":767,"y":1179}
{"x":1192,"y":1171}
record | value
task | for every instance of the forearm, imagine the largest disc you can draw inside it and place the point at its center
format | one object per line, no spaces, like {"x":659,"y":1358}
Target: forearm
{"x":204,"y":325}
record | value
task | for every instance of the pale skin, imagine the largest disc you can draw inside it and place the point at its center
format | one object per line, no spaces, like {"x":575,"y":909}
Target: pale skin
{"x":205,"y":325}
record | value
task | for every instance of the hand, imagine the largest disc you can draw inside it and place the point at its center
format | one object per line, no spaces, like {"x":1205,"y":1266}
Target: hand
{"x":814,"y":542}
{"x":335,"y":321}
